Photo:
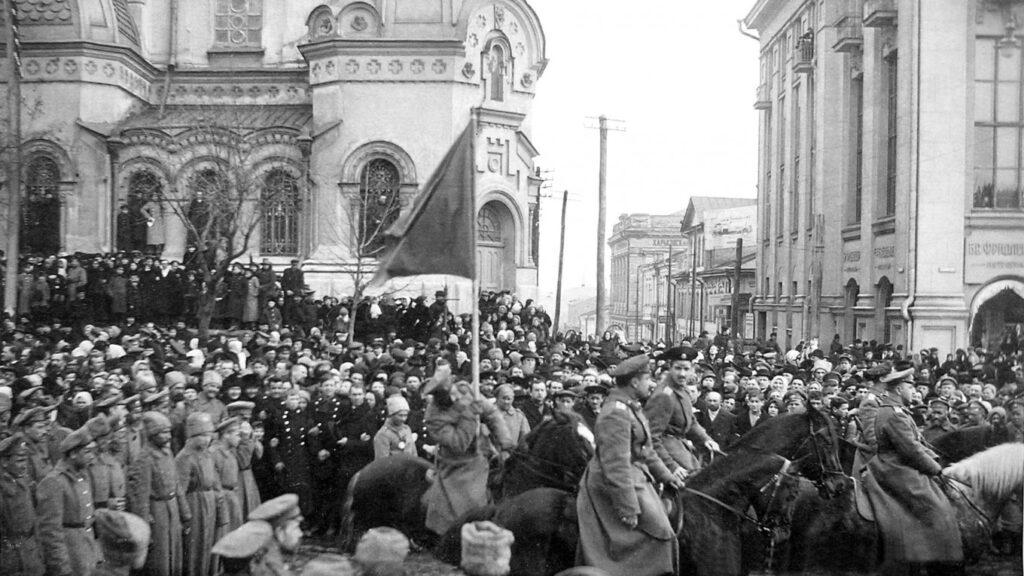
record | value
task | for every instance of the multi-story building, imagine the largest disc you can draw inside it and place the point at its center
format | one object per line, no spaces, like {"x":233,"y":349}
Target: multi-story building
{"x":890,"y":171}
{"x":704,"y":282}
{"x":332,"y":109}
{"x":636,"y":240}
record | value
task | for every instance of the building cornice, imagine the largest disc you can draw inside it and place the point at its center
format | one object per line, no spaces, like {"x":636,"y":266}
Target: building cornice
{"x":381,"y":47}
{"x":762,"y":13}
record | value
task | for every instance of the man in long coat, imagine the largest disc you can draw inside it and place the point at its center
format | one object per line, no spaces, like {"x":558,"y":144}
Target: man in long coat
{"x":201,"y":484}
{"x":20,"y":552}
{"x":249,"y":449}
{"x":106,"y":473}
{"x":225,"y":461}
{"x":670,"y":414}
{"x":66,"y":512}
{"x":155,"y":494}
{"x":917,"y":523}
{"x":453,"y":423}
{"x":623,"y":527}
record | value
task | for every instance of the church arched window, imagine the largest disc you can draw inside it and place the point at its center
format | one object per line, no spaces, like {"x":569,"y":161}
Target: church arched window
{"x":280,"y":227}
{"x":379,"y":205}
{"x":41,"y":210}
{"x":238,"y":23}
{"x":496,"y":68}
{"x":208,"y":186}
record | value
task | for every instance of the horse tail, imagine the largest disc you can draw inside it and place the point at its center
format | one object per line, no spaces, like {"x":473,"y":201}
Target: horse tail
{"x":347,"y":533}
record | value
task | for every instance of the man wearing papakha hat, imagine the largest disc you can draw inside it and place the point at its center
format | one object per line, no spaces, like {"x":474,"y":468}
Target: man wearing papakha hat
{"x":623,"y":526}
{"x":241,"y":551}
{"x":106,"y":473}
{"x":900,"y":480}
{"x":153,"y":495}
{"x":669,"y":411}
{"x":65,"y":509}
{"x":395,"y":436}
{"x":20,"y":552}
{"x":124,"y":542}
{"x":225,"y":461}
{"x":249,"y":448}
{"x":285,"y":517}
{"x":198,"y":476}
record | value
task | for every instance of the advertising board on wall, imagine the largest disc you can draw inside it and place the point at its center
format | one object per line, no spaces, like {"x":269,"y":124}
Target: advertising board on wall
{"x":723,"y":227}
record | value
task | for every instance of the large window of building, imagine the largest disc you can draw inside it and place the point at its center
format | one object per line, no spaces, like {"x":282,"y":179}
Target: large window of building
{"x":997,"y":125}
{"x":891,"y":128}
{"x":40,"y":216}
{"x":766,"y":225}
{"x":379,"y":205}
{"x":238,"y":23}
{"x":279,"y":235}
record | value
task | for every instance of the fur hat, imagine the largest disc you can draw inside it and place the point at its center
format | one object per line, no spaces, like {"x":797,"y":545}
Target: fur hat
{"x":396,"y":404}
{"x":198,"y":423}
{"x":155,"y":422}
{"x":124,"y":537}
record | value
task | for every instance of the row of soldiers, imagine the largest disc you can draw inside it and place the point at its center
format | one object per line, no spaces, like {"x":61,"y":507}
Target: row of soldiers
{"x":54,"y":482}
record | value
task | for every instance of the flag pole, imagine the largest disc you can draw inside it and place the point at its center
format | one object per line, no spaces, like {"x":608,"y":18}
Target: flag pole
{"x":475,"y":297}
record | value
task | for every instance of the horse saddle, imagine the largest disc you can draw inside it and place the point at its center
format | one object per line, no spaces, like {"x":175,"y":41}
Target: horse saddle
{"x":670,"y":501}
{"x":861,"y":499}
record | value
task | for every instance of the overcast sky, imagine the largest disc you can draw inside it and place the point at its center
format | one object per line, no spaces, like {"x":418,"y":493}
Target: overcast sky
{"x":682,"y":78}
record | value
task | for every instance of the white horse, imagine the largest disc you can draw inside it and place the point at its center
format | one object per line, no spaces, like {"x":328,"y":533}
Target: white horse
{"x":986,"y":482}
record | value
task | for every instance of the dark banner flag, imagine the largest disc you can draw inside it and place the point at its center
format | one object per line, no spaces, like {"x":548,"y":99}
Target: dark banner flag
{"x":437,"y":234}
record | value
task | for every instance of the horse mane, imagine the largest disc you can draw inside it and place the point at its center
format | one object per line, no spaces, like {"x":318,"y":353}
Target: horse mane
{"x":772,"y":428}
{"x":995,"y":472}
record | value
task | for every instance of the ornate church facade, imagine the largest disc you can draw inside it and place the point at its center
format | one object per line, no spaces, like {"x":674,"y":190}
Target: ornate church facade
{"x":322,"y":111}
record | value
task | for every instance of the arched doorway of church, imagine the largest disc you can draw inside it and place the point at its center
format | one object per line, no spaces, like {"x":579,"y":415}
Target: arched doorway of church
{"x":998,"y":315}
{"x":40,"y":224}
{"x":495,"y":247}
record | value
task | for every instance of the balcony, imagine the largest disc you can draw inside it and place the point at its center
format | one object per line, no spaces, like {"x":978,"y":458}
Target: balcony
{"x":879,"y":13}
{"x":849,"y":35}
{"x":803,"y":56}
{"x":763,"y":100}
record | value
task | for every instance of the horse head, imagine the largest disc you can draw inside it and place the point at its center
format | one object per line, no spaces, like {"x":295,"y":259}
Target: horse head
{"x":554,"y":455}
{"x":809,"y":440}
{"x":993,"y":475}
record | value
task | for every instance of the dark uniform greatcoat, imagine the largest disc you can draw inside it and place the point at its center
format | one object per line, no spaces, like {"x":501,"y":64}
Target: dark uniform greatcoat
{"x":619,"y":482}
{"x":20,"y":553}
{"x":670,"y":414}
{"x":915,"y":518}
{"x":156,"y":495}
{"x":65,"y":521}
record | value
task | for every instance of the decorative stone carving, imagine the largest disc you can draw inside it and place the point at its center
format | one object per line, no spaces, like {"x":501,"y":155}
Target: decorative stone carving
{"x":373,"y":66}
{"x":439,"y":66}
{"x":499,"y":16}
{"x":331,"y":68}
{"x":70,"y":67}
{"x":359,"y":23}
{"x":51,"y":66}
{"x":91,"y":67}
{"x":395,"y":66}
{"x":468,"y":70}
{"x":351,"y":66}
{"x":481,"y":21}
{"x":527,"y":80}
{"x":32,"y":67}
{"x":473,"y":40}
{"x":417,"y":66}
{"x":108,"y":69}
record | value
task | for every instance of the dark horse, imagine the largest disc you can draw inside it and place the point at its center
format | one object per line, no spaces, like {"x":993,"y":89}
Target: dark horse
{"x":818,"y":524}
{"x":719,"y":536}
{"x":389,"y":492}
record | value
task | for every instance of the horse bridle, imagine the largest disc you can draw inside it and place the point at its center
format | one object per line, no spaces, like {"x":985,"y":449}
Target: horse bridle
{"x":773,"y":483}
{"x":813,"y":439}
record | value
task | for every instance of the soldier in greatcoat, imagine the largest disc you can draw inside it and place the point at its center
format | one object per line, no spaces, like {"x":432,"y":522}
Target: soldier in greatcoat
{"x":155,"y":495}
{"x":900,"y":479}
{"x":198,"y":475}
{"x":249,"y":448}
{"x":674,"y":429}
{"x":106,"y":472}
{"x":35,"y":424}
{"x":20,"y":552}
{"x":623,"y":527}
{"x":225,"y":461}
{"x":66,"y":511}
{"x":285,"y":518}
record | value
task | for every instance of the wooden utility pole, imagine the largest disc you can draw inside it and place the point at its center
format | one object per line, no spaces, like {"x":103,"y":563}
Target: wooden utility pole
{"x":561,"y":260}
{"x":14,"y":165}
{"x":602,"y":216}
{"x":735,"y":319}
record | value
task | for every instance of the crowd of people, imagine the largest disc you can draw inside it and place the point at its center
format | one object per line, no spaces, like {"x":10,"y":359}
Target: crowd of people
{"x":107,"y":409}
